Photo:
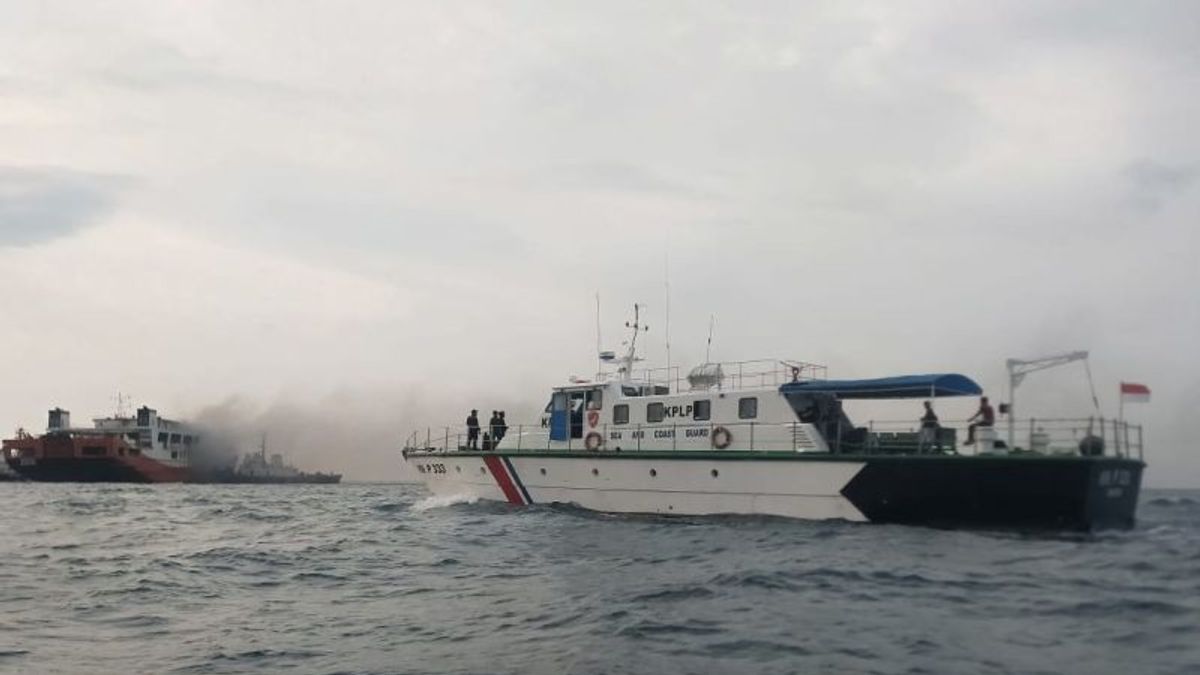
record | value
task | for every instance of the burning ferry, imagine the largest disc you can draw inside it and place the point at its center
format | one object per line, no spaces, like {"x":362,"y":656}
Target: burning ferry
{"x":143,"y":448}
{"x":773,"y":437}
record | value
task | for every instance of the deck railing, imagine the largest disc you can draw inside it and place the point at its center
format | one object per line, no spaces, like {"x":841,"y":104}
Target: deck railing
{"x":691,"y":435}
{"x":1053,"y":436}
{"x":1050,"y":435}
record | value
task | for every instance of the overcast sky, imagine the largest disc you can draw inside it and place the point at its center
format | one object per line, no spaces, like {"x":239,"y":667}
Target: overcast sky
{"x":373,"y":214}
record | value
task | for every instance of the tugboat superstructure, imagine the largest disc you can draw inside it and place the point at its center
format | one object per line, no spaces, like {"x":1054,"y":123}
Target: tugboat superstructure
{"x":772,"y":437}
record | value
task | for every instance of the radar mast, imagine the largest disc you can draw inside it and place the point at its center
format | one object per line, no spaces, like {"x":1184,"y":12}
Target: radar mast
{"x":627,"y":361}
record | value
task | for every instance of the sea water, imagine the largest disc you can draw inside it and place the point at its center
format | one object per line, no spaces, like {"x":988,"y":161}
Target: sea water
{"x":385,"y":579}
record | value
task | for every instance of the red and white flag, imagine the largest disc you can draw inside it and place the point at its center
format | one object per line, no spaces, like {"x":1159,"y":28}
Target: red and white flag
{"x":1134,"y":393}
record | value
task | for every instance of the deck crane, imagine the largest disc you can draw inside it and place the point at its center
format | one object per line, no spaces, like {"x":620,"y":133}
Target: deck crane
{"x":1019,"y":368}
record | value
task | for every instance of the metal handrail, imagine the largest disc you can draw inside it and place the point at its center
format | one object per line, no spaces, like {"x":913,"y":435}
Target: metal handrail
{"x":1045,"y":435}
{"x":439,"y":439}
{"x":1049,"y":434}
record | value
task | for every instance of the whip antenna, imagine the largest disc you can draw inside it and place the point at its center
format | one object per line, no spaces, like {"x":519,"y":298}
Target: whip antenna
{"x":599,"y":343}
{"x":667,"y":287}
{"x":712,"y":320}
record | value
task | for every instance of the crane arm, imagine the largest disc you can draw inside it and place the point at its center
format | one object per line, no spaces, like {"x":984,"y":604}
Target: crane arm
{"x":1019,"y":368}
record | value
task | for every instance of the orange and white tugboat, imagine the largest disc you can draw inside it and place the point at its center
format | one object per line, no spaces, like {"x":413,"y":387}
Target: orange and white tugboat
{"x":143,"y":448}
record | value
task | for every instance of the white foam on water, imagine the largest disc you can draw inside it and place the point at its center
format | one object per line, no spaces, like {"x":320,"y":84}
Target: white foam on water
{"x":440,"y":501}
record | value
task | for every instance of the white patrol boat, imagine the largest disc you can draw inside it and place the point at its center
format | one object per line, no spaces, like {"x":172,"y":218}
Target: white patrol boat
{"x":772,"y":437}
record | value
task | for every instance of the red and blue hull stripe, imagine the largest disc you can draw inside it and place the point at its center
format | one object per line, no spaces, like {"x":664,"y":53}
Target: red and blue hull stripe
{"x":506,"y":477}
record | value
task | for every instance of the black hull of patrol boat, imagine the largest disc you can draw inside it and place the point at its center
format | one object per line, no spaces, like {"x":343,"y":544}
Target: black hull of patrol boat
{"x":1012,"y":492}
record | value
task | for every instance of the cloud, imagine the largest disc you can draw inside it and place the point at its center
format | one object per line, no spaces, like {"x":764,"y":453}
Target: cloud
{"x":39,"y":204}
{"x":155,"y":68}
{"x":616,"y":176}
{"x":325,"y":199}
{"x":1152,"y":183}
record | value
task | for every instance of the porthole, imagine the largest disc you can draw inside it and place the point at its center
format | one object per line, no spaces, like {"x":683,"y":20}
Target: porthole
{"x":595,"y":472}
{"x":543,"y":472}
{"x":715,"y":473}
{"x":653,"y":473}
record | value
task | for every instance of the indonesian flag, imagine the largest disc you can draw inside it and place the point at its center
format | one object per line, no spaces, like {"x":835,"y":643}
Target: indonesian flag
{"x":1134,"y":393}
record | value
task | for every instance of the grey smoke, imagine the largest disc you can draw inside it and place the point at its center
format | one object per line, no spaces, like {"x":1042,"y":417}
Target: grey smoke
{"x":358,"y":433}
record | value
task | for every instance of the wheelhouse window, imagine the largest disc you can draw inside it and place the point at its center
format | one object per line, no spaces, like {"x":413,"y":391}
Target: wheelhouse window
{"x":748,"y":408}
{"x":621,"y":413}
{"x":654,"y":413}
{"x":162,"y":437}
{"x":702,"y":410}
{"x":595,"y":399}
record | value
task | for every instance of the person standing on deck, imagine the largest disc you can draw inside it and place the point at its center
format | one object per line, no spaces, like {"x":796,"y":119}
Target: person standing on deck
{"x":494,"y":426}
{"x":473,"y":430}
{"x":501,"y":427}
{"x":986,"y":417}
{"x":929,"y":430}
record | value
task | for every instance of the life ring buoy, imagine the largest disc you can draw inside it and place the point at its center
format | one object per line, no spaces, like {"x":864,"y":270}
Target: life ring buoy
{"x":593,"y":441}
{"x":721,"y":438}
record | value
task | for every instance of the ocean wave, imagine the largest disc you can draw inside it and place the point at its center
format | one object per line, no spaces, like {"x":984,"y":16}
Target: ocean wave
{"x":647,"y":629}
{"x":1099,"y":608}
{"x":442,"y":501}
{"x":755,"y":649}
{"x":1178,"y":501}
{"x":379,"y":579}
{"x":674,"y":594}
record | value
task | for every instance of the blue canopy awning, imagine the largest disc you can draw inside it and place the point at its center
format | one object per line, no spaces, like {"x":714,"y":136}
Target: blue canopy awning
{"x":905,"y":386}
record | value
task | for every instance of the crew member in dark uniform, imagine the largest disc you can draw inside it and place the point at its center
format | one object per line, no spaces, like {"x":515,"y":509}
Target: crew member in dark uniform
{"x":929,"y":430}
{"x":986,"y":417}
{"x":501,"y":427}
{"x":473,"y":430}
{"x":494,"y":427}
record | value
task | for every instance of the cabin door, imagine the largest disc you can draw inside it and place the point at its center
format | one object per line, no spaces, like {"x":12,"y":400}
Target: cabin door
{"x":559,"y":417}
{"x":577,"y":398}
